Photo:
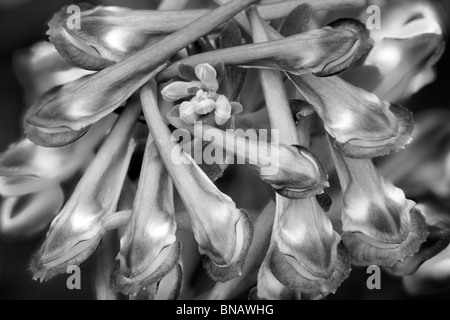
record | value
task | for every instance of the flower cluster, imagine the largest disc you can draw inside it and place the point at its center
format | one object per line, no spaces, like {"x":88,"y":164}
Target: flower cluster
{"x":133,"y":78}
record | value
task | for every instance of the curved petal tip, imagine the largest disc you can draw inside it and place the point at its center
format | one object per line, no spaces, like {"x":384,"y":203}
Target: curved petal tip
{"x":288,"y":276}
{"x":46,"y":269}
{"x":359,"y":50}
{"x":123,"y":282}
{"x":373,"y":149}
{"x":244,"y":240}
{"x":368,"y":251}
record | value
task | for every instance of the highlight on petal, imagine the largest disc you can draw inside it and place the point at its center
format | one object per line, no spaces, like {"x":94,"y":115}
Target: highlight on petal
{"x":27,"y":168}
{"x":406,"y":48}
{"x":362,"y":125}
{"x":438,"y":222}
{"x":222,"y":231}
{"x":79,"y":104}
{"x":325,"y":52}
{"x":65,"y":114}
{"x":381,"y":227}
{"x":149,"y":247}
{"x":41,"y":68}
{"x":102,"y":40}
{"x":308,"y":255}
{"x":293,"y":171}
{"x":77,"y":231}
{"x":179,"y":89}
{"x":24,"y":216}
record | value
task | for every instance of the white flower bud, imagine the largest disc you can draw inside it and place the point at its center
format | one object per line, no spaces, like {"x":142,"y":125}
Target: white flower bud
{"x":187,"y":112}
{"x":207,"y":75}
{"x":223,"y":110}
{"x":205,"y":106}
{"x":179,"y":90}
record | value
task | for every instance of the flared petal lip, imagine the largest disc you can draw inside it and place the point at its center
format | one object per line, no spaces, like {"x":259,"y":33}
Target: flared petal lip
{"x":283,"y":271}
{"x":360,"y":49}
{"x":364,"y":253}
{"x":406,"y":127}
{"x":229,"y":272}
{"x":317,"y":189}
{"x":131,"y":285}
{"x":43,"y":269}
{"x":66,"y":48}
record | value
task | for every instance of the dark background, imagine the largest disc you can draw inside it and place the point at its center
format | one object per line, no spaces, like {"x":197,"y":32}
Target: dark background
{"x":22,"y":23}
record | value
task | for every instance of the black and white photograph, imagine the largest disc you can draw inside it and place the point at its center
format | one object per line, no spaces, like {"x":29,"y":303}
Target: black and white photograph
{"x":242,"y":151}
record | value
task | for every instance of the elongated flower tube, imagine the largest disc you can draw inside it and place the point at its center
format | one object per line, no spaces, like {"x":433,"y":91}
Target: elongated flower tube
{"x":77,"y":231}
{"x":27,"y":168}
{"x":222,"y":231}
{"x":70,"y":110}
{"x":293,"y":171}
{"x":326,"y":52}
{"x":361,"y":125}
{"x":306,"y":254}
{"x":41,"y":68}
{"x":406,"y":48}
{"x":149,"y":247}
{"x":22,"y":217}
{"x":381,"y":227}
{"x":110,"y":34}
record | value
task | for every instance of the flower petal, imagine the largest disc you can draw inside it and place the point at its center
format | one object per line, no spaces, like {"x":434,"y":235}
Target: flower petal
{"x":381,"y":227}
{"x":25,"y":216}
{"x":308,"y":256}
{"x":438,"y":239}
{"x":149,"y":247}
{"x":326,"y":51}
{"x":222,"y":231}
{"x":41,"y":68}
{"x":77,"y":231}
{"x":362,"y":125}
{"x":62,"y":115}
{"x":102,"y":40}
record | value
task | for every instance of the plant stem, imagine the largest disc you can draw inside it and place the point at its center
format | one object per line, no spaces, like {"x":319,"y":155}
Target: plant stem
{"x":274,"y":91}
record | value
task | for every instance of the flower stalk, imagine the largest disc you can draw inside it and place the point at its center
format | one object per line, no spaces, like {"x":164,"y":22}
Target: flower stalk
{"x":326,"y":52}
{"x":222,"y":231}
{"x":110,"y":34}
{"x":305,"y":254}
{"x":72,"y":109}
{"x":77,"y":231}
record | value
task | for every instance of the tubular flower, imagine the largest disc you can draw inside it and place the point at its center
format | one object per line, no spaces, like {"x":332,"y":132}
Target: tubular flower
{"x":41,"y":68}
{"x":381,"y":227}
{"x":66,"y":113}
{"x":293,"y":171}
{"x":438,"y":239}
{"x":30,"y":178}
{"x":110,"y":34}
{"x":222,"y":231}
{"x":149,"y":248}
{"x":406,"y":48}
{"x":326,"y":51}
{"x":361,"y":125}
{"x":306,"y":255}
{"x":77,"y":231}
